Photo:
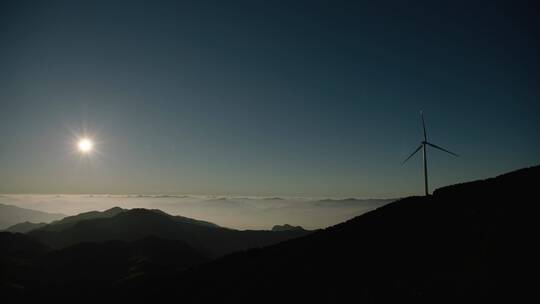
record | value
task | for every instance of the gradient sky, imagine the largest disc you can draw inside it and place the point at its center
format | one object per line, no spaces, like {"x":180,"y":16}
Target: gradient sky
{"x":317,"y":98}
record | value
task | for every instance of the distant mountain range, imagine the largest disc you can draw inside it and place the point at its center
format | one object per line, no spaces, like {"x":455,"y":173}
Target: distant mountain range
{"x":470,"y":242}
{"x":11,"y":215}
{"x":134,"y":224}
{"x":71,"y":221}
{"x":103,"y":248}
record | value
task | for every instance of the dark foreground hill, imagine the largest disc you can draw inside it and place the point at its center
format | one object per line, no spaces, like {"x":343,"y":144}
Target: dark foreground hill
{"x":466,"y":242}
{"x":95,"y":267}
{"x":30,"y":268}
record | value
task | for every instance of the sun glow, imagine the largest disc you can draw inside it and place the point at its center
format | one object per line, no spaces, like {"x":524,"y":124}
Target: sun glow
{"x":85,"y":145}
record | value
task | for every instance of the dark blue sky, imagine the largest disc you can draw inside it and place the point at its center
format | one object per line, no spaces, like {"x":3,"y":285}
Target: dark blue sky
{"x":264,"y":97}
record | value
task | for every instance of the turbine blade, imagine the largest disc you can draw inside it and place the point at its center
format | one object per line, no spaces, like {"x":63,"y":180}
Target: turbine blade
{"x":417,"y":149}
{"x":423,"y":125}
{"x":442,"y":149}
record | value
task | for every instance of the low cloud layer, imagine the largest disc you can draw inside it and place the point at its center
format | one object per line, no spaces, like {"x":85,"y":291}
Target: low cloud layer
{"x":227,"y":211}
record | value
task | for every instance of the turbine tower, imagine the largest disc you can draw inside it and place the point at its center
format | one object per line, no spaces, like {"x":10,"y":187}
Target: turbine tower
{"x":423,"y":146}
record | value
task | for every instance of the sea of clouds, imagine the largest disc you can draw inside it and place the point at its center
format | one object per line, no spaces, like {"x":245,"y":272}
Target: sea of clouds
{"x":239,"y":212}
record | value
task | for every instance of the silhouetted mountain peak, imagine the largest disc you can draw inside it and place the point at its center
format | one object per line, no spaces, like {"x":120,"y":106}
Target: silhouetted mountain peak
{"x":142,"y":212}
{"x":114,"y":210}
{"x":70,"y":221}
{"x":143,"y":215}
{"x":287,"y":227}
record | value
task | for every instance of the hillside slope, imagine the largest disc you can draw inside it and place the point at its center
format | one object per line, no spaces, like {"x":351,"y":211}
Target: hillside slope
{"x":465,"y":242}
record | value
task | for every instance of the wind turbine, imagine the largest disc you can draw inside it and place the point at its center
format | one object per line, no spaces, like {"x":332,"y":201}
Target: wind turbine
{"x":423,"y":146}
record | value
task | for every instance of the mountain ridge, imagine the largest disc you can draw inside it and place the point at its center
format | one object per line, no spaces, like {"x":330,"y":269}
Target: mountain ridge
{"x":132,"y":224}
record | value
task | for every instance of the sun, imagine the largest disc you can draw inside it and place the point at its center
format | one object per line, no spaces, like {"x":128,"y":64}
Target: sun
{"x":85,"y":145}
